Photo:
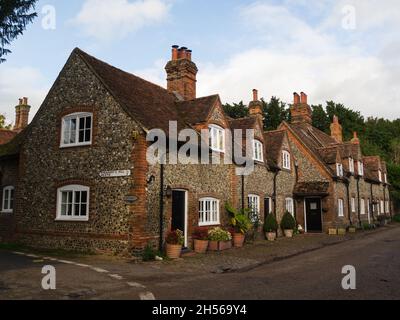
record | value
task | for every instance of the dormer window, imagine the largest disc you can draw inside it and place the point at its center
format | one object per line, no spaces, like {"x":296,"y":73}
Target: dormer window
{"x":339,"y":170}
{"x":76,"y":130}
{"x":258,"y":151}
{"x":380,"y":175}
{"x":286,"y":161}
{"x":360,"y":168}
{"x":217,"y":138}
{"x":351,"y":165}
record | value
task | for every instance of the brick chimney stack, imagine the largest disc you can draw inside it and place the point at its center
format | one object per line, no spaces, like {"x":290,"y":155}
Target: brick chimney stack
{"x":336,"y":130}
{"x":300,"y":110}
{"x":181,"y":73}
{"x":355,"y":139}
{"x":255,"y":106}
{"x":22,"y":115}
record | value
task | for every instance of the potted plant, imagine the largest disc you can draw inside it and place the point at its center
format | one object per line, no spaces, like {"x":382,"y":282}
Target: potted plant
{"x":270,"y":227}
{"x":288,"y":224}
{"x":200,"y":237}
{"x":352,"y":229}
{"x":219,"y":239}
{"x":240,"y":223}
{"x":341,"y":231}
{"x":174,"y":242}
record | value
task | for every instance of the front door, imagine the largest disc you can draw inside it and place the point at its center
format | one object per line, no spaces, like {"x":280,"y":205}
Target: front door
{"x":314,"y":215}
{"x":179,"y":212}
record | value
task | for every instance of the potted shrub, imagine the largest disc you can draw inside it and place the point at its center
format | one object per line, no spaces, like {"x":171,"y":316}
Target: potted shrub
{"x":341,"y":231}
{"x":332,"y":231}
{"x":200,"y":237}
{"x":174,"y":242}
{"x":270,"y":227}
{"x":352,"y":229}
{"x":219,"y":239}
{"x":288,"y":224}
{"x":240,"y":224}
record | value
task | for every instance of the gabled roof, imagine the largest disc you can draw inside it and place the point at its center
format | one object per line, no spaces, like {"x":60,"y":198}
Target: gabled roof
{"x":6,"y":135}
{"x":273,"y":146}
{"x":372,"y":165}
{"x":197,"y":110}
{"x":330,"y":154}
{"x":149,"y":104}
{"x":11,"y":148}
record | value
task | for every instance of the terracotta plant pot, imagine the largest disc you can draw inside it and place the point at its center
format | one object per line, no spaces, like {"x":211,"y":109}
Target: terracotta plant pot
{"x":288,"y":233}
{"x":174,"y":251}
{"x":213,"y":246}
{"x":352,"y":230}
{"x":200,"y":246}
{"x":225,"y":245}
{"x":238,"y":240}
{"x":271,"y":236}
{"x":341,"y":231}
{"x":332,"y":232}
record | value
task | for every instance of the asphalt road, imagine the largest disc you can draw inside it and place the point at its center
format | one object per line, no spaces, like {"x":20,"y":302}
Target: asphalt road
{"x":313,"y":275}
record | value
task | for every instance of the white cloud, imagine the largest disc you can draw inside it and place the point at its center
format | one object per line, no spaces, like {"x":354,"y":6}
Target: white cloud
{"x":106,"y":20}
{"x":21,"y":82}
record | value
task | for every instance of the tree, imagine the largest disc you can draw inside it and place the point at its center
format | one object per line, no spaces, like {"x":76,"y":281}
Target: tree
{"x":274,"y":113}
{"x":395,"y":148}
{"x":15,"y":15}
{"x":3,"y":122}
{"x":320,"y":118}
{"x":236,"y":110}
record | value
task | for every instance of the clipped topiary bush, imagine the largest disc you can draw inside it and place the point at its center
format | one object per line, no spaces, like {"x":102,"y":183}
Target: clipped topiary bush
{"x":270,"y":224}
{"x":288,"y":222}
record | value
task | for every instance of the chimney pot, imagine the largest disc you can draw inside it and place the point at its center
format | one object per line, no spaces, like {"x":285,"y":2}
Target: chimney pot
{"x":189,"y":54}
{"x":25,"y":101}
{"x":304,"y":98}
{"x":296,"y":98}
{"x":20,"y":101}
{"x":255,"y":95}
{"x":175,"y":52}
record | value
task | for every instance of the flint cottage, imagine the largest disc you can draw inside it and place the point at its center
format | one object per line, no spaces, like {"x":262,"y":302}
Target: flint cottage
{"x":77,"y":177}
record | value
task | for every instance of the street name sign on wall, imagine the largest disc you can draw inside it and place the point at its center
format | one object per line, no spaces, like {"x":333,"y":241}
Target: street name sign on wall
{"x":115,"y":174}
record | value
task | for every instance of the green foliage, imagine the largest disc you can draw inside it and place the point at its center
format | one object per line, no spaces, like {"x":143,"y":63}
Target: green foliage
{"x":270,"y":223}
{"x":367,"y":226}
{"x":236,"y":110}
{"x":239,"y":219}
{"x":396,"y":218}
{"x":218,"y":234}
{"x":149,"y":254}
{"x":288,"y":222}
{"x":175,"y":237}
{"x":275,"y":112}
{"x":3,"y":122}
{"x":15,"y":15}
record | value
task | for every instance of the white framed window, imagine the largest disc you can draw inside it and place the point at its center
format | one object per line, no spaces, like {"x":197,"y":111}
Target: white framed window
{"x":208,"y":212}
{"x":76,"y":130}
{"x":387,"y":207}
{"x":217,"y":138}
{"x":382,"y":207}
{"x":351,"y":165}
{"x":8,"y":200}
{"x":73,"y":203}
{"x":340,"y":208}
{"x":362,"y":209}
{"x":254,"y":206}
{"x":289,"y":205}
{"x":258,"y":151}
{"x":385,"y":177}
{"x":380,"y":175}
{"x":286,"y":160}
{"x":353,"y":204}
{"x":339,"y":169}
{"x":360,"y":168}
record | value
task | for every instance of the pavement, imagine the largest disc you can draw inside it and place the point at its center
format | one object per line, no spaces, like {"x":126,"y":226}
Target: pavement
{"x":305,"y":267}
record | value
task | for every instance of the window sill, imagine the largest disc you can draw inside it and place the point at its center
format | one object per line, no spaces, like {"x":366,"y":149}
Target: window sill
{"x":67,"y":146}
{"x":214,"y":224}
{"x":72,"y":220}
{"x":7,"y":211}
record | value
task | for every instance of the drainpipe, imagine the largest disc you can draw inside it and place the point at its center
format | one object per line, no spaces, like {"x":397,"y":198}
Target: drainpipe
{"x":348,"y":201}
{"x":243,"y":205}
{"x":358,"y":198}
{"x":275,"y":192}
{"x":161,"y":242}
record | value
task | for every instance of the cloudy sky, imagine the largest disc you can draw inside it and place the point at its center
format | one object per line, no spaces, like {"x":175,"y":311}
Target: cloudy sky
{"x":342,"y":50}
